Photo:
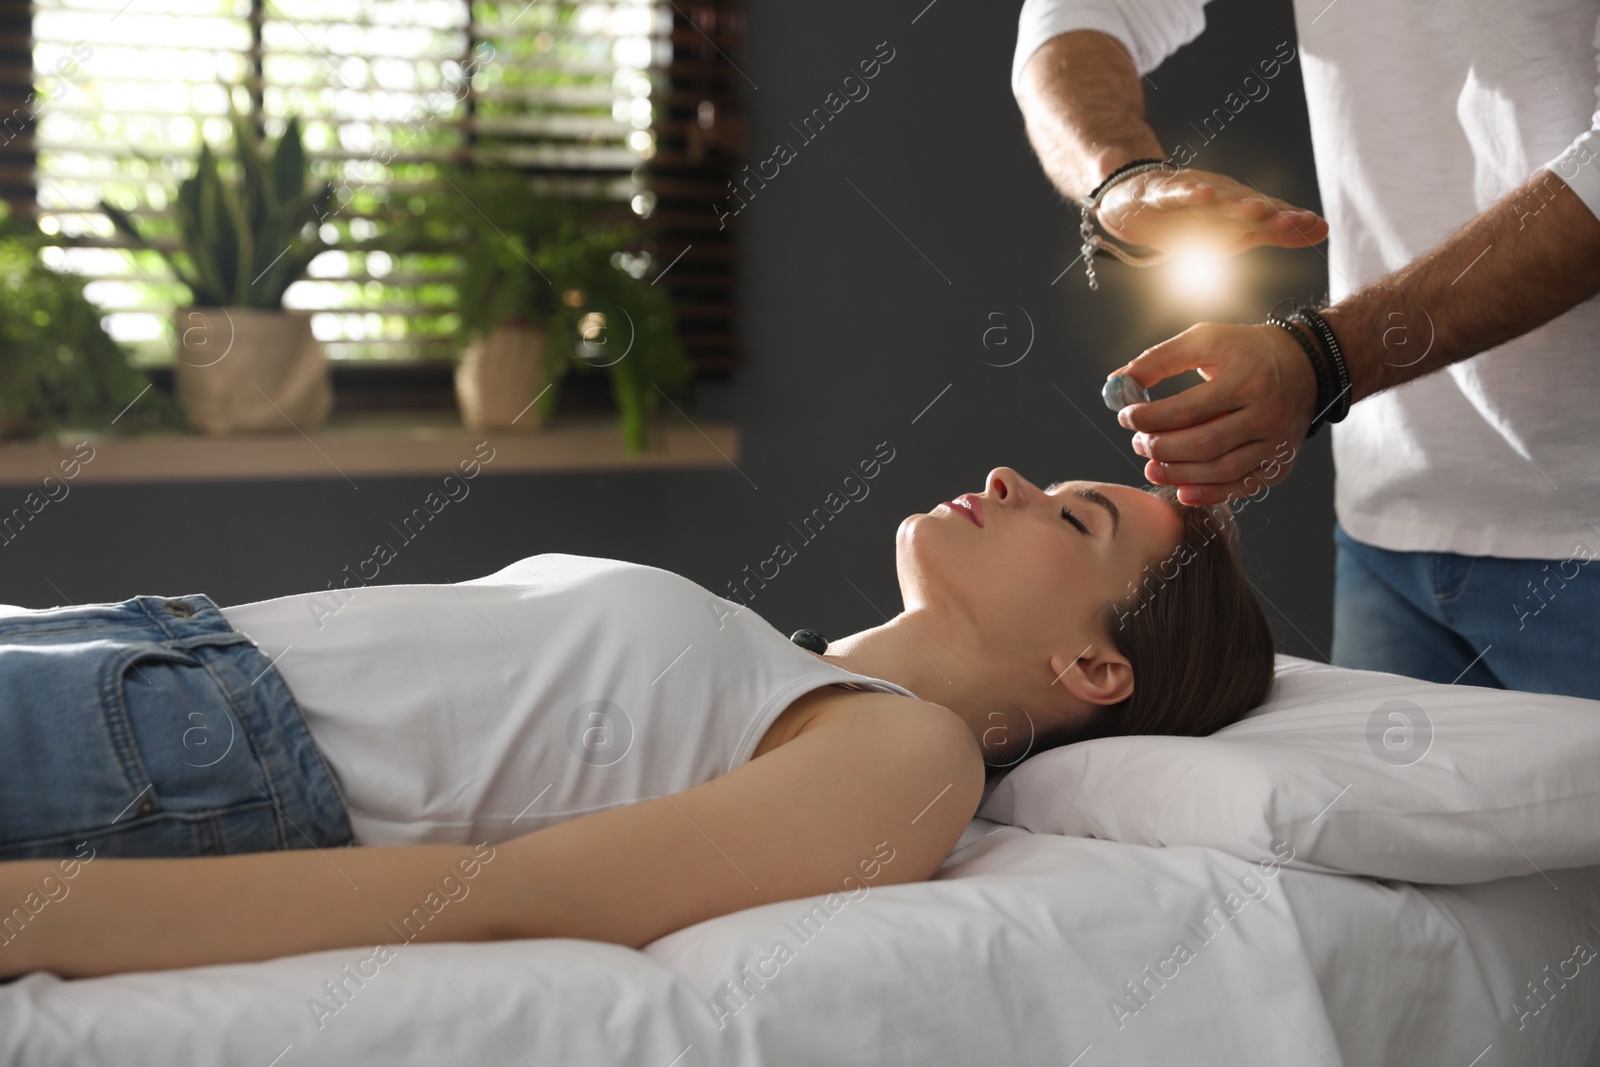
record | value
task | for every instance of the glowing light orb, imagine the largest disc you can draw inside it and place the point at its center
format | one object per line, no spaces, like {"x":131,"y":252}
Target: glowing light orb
{"x":1198,"y":276}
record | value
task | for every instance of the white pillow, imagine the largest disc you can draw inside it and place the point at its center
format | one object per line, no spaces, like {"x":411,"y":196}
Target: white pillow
{"x":1353,"y":772}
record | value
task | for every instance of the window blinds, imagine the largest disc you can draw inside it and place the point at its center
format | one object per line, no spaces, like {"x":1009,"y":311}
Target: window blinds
{"x":634,"y":98}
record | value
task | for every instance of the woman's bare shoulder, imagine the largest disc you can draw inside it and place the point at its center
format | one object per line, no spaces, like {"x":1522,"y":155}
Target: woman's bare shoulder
{"x":833,"y":707}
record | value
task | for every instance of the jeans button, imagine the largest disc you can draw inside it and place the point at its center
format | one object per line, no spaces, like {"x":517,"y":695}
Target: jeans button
{"x":147,"y":805}
{"x":179,"y":608}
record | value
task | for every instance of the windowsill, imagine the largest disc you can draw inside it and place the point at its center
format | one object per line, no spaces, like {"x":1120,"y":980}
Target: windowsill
{"x":384,"y":445}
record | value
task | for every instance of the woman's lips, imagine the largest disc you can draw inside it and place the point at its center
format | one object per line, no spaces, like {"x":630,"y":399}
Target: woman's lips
{"x":969,"y":505}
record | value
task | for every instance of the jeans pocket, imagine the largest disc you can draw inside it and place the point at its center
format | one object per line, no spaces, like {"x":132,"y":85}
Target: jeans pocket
{"x":1450,"y":573}
{"x":132,"y":746}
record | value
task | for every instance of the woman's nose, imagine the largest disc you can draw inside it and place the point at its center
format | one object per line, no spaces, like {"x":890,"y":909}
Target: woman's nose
{"x":1002,"y":482}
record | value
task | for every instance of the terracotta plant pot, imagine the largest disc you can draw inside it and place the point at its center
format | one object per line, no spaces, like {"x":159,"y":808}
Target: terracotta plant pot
{"x":498,"y":377}
{"x":250,"y":370}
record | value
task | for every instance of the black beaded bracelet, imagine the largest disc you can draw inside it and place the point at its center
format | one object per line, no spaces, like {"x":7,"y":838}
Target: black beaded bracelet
{"x":1089,"y":205}
{"x":1330,"y":343}
{"x":1319,"y":368}
{"x":1114,"y":175}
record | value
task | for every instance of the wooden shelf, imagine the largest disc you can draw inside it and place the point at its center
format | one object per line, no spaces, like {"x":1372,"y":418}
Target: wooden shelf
{"x":390,"y":445}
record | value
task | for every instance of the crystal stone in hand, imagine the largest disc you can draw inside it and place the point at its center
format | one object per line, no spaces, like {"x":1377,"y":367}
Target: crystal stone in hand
{"x":1122,"y":390}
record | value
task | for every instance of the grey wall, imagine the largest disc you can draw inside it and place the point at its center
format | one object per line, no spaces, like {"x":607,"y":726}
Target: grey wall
{"x":851,"y":333}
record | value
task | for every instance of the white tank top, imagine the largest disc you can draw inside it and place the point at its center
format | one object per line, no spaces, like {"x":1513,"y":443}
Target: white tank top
{"x":557,"y":686}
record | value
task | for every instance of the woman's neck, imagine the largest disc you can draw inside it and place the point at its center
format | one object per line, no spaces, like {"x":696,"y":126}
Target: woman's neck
{"x":917,"y":652}
{"x":903,"y":651}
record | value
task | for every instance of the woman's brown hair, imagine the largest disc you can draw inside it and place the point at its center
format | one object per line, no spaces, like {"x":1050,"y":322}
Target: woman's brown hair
{"x":1198,"y":641}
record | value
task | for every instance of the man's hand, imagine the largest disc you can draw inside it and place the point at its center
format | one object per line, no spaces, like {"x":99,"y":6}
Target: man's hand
{"x":1238,"y":429}
{"x":1168,"y":210}
{"x":1084,"y":109}
{"x":1221,"y":437}
{"x":1083,"y":105}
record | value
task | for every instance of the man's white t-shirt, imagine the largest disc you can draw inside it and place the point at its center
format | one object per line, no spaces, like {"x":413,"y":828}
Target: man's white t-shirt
{"x":557,"y":686}
{"x":1422,"y":116}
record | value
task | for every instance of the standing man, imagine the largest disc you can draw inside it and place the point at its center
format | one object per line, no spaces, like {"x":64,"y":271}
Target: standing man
{"x":1459,"y":166}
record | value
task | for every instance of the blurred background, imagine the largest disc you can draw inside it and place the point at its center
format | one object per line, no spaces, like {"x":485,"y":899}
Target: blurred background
{"x":906,"y":281}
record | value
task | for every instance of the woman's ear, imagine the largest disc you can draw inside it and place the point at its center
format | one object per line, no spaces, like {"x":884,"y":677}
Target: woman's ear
{"x":1099,"y":675}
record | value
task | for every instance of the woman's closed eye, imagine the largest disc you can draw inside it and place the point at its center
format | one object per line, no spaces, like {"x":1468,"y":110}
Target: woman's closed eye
{"x":1066,"y":513}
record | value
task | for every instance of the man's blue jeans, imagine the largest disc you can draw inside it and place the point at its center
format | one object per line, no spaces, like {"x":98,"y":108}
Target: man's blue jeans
{"x":1528,"y":624}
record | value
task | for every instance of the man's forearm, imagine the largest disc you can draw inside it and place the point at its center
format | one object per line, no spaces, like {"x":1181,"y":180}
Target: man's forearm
{"x":1084,"y":109}
{"x":1526,"y":260}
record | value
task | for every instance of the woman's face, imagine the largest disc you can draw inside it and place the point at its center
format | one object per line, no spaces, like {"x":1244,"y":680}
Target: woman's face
{"x":1030,"y":579}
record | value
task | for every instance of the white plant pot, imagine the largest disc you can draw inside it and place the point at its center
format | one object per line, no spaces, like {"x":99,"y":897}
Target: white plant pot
{"x":498,"y":377}
{"x":249,"y":370}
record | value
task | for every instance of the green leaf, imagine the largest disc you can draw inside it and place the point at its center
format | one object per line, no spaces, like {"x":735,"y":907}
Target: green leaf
{"x":253,"y":192}
{"x":124,"y":224}
{"x":289,"y":163}
{"x":244,"y":250}
{"x":215,"y":247}
{"x":241,"y":231}
{"x":288,"y":270}
{"x":198,"y":286}
{"x":66,"y":372}
{"x":189,"y":188}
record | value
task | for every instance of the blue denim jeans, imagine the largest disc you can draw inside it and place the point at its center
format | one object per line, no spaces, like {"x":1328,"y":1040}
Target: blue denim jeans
{"x":153,"y":728}
{"x":1529,"y":624}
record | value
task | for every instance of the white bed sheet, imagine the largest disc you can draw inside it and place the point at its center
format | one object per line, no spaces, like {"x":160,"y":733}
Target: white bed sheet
{"x":1012,"y":955}
{"x":1439,"y":974}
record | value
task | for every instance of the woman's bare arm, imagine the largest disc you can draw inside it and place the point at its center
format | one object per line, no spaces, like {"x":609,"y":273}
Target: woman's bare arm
{"x":893,"y":777}
{"x":152,"y":914}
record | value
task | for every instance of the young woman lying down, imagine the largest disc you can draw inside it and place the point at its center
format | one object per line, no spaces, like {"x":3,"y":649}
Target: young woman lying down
{"x":579,"y":747}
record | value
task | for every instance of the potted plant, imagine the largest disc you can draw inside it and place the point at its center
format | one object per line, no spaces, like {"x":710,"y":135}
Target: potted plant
{"x":60,"y":367}
{"x":547,"y":286}
{"x":246,"y":230}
